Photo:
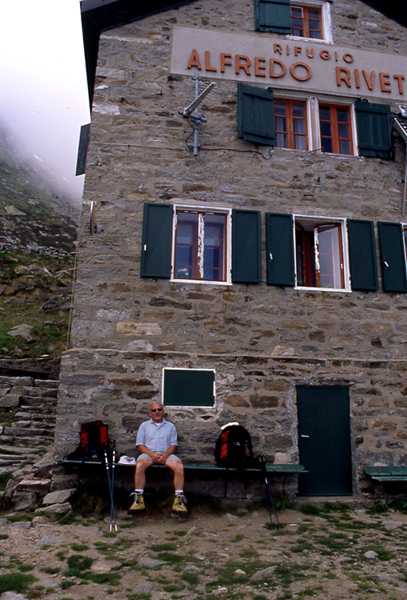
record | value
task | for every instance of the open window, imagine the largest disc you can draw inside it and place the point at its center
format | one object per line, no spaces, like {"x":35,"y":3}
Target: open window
{"x":189,"y":387}
{"x":320,"y":258}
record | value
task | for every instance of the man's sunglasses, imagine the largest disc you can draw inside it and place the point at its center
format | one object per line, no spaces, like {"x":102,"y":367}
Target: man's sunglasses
{"x":156,"y":410}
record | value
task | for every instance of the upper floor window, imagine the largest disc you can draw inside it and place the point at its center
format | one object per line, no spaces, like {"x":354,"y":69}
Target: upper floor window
{"x":292,"y":121}
{"x":309,"y":19}
{"x":306,"y":22}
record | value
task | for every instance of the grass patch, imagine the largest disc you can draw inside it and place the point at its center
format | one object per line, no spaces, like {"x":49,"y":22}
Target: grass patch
{"x":378,"y":509}
{"x":310,"y":509}
{"x":78,"y":565}
{"x":190,"y":577}
{"x":15,"y":582}
{"x":170,"y":557}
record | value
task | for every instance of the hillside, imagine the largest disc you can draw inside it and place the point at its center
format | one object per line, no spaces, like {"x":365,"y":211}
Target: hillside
{"x":38,"y":228}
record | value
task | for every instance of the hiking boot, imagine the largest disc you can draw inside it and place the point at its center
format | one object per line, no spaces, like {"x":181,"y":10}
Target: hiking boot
{"x":138,"y":505}
{"x":179,"y":507}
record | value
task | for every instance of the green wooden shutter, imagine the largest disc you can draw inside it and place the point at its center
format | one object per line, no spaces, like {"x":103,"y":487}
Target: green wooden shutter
{"x":280,"y":249}
{"x":272,"y":15}
{"x":188,"y":387}
{"x":362,"y":255}
{"x":255,"y":114}
{"x":246,"y":238}
{"x":392,"y":257}
{"x":374,"y":127}
{"x":156,"y":243}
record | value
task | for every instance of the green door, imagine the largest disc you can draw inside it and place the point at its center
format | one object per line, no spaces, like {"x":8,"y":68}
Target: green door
{"x":324,"y":440}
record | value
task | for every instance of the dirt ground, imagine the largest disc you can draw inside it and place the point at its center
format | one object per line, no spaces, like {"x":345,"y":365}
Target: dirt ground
{"x":339,"y":553}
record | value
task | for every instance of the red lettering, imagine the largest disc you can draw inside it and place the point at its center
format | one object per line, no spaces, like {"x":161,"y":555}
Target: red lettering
{"x":275,"y":61}
{"x":297,"y":50}
{"x":325,"y":55}
{"x":310,"y":52}
{"x":208,"y":62}
{"x":348,"y":58}
{"x":302,"y":66}
{"x":342,"y":74}
{"x":400,"y":79}
{"x":225,"y":61}
{"x":369,"y":80}
{"x":385,"y":85}
{"x":242,"y":62}
{"x":259,"y":66}
{"x":194,"y":61}
{"x":357,"y":78}
{"x":277,"y":49}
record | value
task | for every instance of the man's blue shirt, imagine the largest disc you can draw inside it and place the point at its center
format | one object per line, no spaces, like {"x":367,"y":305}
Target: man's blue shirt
{"x":157,"y":438}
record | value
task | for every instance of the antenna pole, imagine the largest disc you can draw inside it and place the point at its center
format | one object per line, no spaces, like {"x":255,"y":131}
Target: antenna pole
{"x":196,"y":116}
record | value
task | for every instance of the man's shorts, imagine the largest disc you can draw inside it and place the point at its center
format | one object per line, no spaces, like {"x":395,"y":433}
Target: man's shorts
{"x":169,"y":459}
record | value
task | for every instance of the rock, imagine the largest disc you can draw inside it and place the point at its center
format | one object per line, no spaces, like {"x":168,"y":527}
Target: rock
{"x":371,"y":554}
{"x":59,"y":497}
{"x":12,"y":596}
{"x":240,"y":572}
{"x":150,"y":564}
{"x":21,"y":525}
{"x":23,"y":500}
{"x":49,"y":539}
{"x":144,"y":589}
{"x":104,"y":566}
{"x":10,"y":487}
{"x":46,"y":461}
{"x":56,"y":509}
{"x":220,"y":591}
{"x":23,"y":331}
{"x":34,"y":485}
{"x":10,"y":401}
{"x":263,"y":573}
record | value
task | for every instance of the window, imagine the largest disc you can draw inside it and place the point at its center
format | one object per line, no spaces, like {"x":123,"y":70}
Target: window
{"x":306,"y":21}
{"x":319,"y":254}
{"x":189,"y":387}
{"x":315,"y":252}
{"x":201,"y":245}
{"x":335,"y":127}
{"x":306,"y":123}
{"x":300,"y":18}
{"x":290,"y":124}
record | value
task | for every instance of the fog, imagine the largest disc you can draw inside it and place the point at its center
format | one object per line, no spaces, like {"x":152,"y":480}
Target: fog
{"x":43,"y":96}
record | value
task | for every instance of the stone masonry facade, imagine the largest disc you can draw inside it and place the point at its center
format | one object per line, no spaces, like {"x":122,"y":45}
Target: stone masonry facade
{"x":262,"y":341}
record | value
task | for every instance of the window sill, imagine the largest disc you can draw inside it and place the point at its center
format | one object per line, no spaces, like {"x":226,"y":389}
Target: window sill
{"x":321,"y":289}
{"x":297,"y":38}
{"x":200,"y":282}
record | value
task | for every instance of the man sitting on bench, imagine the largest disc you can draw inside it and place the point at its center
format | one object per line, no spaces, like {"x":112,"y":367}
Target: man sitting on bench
{"x":157,"y":441}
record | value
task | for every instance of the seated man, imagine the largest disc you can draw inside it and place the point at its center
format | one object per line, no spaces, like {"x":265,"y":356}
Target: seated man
{"x":157,"y":441}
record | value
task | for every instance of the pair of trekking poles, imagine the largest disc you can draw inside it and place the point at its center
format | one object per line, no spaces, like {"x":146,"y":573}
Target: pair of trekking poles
{"x":272,"y":507}
{"x":110,"y":481}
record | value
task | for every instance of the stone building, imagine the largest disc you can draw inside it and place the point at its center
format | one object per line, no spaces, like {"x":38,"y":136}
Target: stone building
{"x":246,"y":255}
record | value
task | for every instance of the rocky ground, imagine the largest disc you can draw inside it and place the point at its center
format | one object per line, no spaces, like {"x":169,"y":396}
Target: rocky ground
{"x":335,"y":553}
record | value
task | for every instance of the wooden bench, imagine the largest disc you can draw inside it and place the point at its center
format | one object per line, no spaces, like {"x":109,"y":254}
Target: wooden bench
{"x":387,"y":474}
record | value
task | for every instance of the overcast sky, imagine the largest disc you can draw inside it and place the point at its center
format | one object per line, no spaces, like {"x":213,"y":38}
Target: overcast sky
{"x":43,"y":96}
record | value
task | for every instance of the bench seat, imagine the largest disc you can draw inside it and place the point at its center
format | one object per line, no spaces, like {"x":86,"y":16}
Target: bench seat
{"x":386,"y":474}
{"x":202,"y":466}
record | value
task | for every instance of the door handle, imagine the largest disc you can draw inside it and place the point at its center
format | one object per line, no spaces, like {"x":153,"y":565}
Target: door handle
{"x":304,"y":436}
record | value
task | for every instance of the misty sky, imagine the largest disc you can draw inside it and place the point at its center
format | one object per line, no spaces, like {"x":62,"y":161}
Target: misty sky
{"x":43,"y":96}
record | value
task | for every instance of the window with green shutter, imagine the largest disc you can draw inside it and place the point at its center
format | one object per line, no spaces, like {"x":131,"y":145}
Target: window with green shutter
{"x":272,"y":15}
{"x":362,"y":255}
{"x":156,"y":241}
{"x":280,"y":249}
{"x":374,"y":128}
{"x":246,"y":241}
{"x":189,"y":387}
{"x":392,"y":257}
{"x":255,"y":114}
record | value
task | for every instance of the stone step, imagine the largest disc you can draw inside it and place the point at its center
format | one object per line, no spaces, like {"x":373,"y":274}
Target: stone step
{"x":46,"y":383}
{"x":36,"y":417}
{"x":11,"y":460}
{"x":17,"y":449}
{"x":25,"y":432}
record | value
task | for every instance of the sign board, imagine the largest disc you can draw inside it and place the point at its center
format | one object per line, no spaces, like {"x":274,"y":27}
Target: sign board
{"x":308,"y":66}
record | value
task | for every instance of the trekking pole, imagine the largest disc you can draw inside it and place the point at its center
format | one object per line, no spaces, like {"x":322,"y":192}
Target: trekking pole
{"x":112,"y":513}
{"x":113,"y":466}
{"x":262,"y":462}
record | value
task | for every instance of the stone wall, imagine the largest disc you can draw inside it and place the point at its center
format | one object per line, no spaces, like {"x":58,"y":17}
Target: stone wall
{"x":261,"y":340}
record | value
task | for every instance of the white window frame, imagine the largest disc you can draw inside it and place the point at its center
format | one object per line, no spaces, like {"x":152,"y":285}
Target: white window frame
{"x":228,"y":248}
{"x":325,"y":19}
{"x":169,"y":406}
{"x":313,"y":125}
{"x":315,"y":221}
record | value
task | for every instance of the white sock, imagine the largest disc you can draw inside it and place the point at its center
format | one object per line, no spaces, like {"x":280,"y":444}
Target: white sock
{"x":139,"y":491}
{"x":179,"y":492}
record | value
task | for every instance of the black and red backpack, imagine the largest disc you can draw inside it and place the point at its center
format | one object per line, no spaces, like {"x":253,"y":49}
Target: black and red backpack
{"x":94,"y":440}
{"x":233,"y":447}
